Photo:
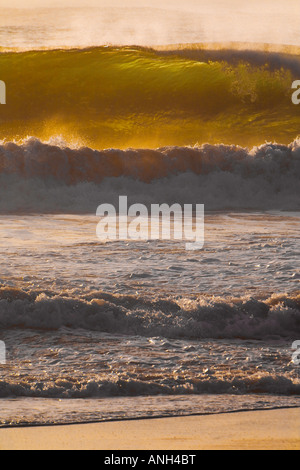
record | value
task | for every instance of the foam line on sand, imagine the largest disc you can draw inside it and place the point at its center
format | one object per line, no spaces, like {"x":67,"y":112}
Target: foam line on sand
{"x":272,"y":429}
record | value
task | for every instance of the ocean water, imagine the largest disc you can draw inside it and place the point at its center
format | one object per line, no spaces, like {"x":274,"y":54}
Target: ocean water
{"x":89,"y":325}
{"x":99,"y":331}
{"x":138,"y":97}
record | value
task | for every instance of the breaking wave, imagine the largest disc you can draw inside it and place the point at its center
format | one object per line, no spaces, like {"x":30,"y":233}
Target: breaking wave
{"x":114,"y":388}
{"x":140,"y":97}
{"x":217,"y":318}
{"x":50,"y":177}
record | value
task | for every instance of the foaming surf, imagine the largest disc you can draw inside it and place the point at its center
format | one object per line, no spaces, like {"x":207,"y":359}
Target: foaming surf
{"x":216,"y":318}
{"x":46,"y":177}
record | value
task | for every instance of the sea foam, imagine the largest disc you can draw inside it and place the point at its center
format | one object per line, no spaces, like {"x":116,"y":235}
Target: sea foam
{"x":42,"y":177}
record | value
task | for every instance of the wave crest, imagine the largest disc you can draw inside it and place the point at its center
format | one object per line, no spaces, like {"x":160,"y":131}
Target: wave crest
{"x":217,"y":318}
{"x":44,"y":177}
{"x":134,"y":96}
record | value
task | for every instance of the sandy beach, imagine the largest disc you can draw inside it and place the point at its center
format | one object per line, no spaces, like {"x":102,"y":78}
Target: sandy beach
{"x":262,"y":430}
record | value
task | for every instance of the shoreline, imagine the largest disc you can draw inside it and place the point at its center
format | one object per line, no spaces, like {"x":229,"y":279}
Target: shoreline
{"x":276,"y":429}
{"x":143,"y":418}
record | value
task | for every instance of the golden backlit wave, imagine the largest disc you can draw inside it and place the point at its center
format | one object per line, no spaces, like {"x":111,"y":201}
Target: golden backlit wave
{"x":138,"y":97}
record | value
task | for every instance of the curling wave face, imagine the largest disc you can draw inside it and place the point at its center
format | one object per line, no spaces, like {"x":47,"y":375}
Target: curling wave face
{"x":133,"y":96}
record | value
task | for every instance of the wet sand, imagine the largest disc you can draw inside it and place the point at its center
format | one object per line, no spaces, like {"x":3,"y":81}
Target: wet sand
{"x":272,"y":429}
